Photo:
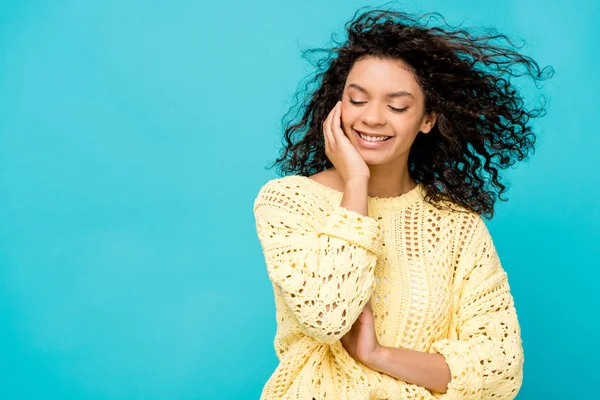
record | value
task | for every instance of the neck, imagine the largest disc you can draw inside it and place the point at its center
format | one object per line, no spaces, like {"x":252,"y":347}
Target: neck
{"x":390,"y":180}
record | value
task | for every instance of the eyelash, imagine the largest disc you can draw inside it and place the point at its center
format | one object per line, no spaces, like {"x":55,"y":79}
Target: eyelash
{"x":392,"y":108}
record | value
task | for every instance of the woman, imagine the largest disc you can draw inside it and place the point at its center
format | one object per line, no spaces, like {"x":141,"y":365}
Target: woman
{"x":387,"y":283}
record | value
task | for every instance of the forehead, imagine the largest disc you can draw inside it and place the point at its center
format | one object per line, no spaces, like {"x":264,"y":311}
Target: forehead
{"x":381,"y":76}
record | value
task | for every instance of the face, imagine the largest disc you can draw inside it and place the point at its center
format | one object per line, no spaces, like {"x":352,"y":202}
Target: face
{"x":382,"y":98}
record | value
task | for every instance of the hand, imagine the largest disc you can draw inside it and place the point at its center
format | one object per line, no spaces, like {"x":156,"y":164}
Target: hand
{"x":361,"y":341}
{"x":340,"y":150}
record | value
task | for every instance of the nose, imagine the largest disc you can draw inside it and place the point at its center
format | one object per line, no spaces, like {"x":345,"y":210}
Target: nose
{"x":372,"y":114}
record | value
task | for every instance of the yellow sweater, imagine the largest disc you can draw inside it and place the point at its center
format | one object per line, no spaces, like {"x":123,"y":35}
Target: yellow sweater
{"x":433,"y":275}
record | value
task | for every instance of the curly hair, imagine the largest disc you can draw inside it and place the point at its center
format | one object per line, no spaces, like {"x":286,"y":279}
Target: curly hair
{"x":482,"y":123}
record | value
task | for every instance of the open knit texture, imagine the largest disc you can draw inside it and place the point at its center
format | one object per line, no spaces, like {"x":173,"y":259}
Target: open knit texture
{"x":433,"y":275}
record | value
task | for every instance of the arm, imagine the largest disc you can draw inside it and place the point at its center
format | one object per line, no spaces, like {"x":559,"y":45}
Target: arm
{"x":423,"y":369}
{"x":485,"y":359}
{"x":486,"y":356}
{"x":323,"y":266}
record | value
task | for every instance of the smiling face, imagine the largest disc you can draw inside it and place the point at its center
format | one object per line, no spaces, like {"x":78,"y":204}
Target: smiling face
{"x":382,"y":98}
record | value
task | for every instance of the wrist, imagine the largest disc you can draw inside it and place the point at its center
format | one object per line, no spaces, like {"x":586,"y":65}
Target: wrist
{"x":378,"y":359}
{"x":357,"y":181}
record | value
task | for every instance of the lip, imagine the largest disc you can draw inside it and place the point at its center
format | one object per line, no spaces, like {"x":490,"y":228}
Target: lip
{"x":371,"y":145}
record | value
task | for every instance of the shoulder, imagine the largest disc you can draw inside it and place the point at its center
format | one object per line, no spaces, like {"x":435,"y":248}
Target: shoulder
{"x":460,"y":223}
{"x":292,"y":193}
{"x":450,"y":213}
{"x":471,"y":235}
{"x":285,"y":185}
{"x":322,"y":184}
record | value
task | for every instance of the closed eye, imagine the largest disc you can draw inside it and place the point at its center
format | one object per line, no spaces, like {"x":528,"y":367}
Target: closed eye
{"x":358,"y":103}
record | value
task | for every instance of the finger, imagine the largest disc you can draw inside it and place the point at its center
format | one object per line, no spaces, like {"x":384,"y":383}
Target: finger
{"x":347,"y":338}
{"x":338,"y":123}
{"x":366,"y":317}
{"x":329,"y":139}
{"x":367,"y":310}
{"x":327,"y":143}
{"x":335,"y":123}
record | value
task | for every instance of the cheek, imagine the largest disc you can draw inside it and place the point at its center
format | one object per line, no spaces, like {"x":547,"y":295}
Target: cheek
{"x":349,"y":115}
{"x":406,"y":124}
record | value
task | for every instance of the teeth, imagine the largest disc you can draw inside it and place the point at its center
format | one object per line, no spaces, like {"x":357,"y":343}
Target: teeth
{"x":373,"y":139}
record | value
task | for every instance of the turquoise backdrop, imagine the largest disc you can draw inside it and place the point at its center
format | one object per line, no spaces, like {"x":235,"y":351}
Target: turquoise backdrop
{"x":133,"y":140}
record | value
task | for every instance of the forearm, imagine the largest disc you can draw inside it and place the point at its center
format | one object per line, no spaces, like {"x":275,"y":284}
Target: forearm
{"x":423,"y":369}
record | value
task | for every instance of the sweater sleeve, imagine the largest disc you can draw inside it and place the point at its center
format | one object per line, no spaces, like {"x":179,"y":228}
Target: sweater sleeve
{"x":322,"y":262}
{"x":486,"y":358}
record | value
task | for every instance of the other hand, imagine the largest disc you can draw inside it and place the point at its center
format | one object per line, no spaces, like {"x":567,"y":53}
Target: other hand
{"x":361,"y":341}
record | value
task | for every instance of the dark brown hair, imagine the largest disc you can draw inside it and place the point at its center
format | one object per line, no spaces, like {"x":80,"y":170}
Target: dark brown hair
{"x":482,"y":124}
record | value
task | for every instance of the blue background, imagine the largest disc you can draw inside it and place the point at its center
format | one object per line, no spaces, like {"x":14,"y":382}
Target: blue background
{"x":133,"y":141}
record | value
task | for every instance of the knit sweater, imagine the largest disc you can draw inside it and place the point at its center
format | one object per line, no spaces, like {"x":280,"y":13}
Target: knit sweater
{"x":432,"y":273}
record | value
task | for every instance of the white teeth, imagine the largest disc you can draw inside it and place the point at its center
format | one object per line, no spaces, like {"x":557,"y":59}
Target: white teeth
{"x":373,"y":139}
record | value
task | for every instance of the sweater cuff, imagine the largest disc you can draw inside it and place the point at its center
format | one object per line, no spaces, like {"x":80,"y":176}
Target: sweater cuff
{"x":355,"y":228}
{"x":467,"y":374}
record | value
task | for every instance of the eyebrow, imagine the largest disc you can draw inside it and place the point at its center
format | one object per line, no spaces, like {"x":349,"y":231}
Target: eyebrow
{"x":395,"y":94}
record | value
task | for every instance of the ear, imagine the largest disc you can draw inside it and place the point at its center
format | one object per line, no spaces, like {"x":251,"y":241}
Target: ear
{"x":428,"y":122}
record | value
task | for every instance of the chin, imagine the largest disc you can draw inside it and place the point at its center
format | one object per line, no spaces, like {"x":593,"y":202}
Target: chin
{"x":370,"y":160}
